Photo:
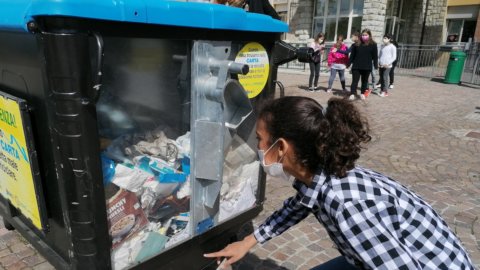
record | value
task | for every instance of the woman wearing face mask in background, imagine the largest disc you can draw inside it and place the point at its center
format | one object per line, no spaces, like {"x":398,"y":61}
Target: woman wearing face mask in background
{"x":388,"y":54}
{"x":375,"y":222}
{"x":318,"y":45}
{"x":392,"y":70}
{"x":362,"y":57}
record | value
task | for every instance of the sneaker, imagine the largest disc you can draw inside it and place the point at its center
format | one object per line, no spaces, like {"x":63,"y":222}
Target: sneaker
{"x":316,"y":88}
{"x":384,"y":94}
{"x":329,"y":90}
{"x":362,"y":97}
{"x":346,"y":90}
{"x":391,"y":86}
{"x":367,"y":92}
{"x":351,"y":97}
{"x":378,"y":85}
{"x":311,"y":89}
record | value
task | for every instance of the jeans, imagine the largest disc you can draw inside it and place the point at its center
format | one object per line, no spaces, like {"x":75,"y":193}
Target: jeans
{"x":384,"y":78}
{"x":392,"y":73}
{"x":314,"y":71}
{"x":356,"y":74}
{"x":374,"y":74}
{"x":339,"y":263}
{"x":333,"y":74}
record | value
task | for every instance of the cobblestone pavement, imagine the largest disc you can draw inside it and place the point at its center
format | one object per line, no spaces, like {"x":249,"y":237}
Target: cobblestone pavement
{"x":426,"y":135}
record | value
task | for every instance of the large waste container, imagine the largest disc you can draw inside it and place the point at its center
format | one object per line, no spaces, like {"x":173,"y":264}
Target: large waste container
{"x":455,"y":67}
{"x":127,"y":128}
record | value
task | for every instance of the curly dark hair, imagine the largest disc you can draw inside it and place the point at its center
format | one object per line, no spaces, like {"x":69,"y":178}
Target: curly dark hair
{"x":332,"y":141}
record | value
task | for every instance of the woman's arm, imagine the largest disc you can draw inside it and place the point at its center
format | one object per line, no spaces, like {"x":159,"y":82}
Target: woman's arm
{"x":234,"y":251}
{"x":290,"y":214}
{"x":353,"y":54}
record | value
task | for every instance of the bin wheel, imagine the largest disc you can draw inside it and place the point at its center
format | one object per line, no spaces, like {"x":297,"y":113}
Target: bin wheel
{"x":8,"y":226}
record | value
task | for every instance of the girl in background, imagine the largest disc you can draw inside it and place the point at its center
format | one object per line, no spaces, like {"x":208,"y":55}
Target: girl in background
{"x":392,"y":70}
{"x":388,"y":54}
{"x":337,"y":62}
{"x":318,"y":46}
{"x":355,"y":38}
{"x":362,"y":57}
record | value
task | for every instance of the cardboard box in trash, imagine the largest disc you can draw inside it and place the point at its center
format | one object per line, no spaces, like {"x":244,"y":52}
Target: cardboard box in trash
{"x":125,"y":216}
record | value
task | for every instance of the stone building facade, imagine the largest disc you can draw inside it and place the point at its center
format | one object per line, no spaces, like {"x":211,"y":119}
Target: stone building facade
{"x":411,"y":21}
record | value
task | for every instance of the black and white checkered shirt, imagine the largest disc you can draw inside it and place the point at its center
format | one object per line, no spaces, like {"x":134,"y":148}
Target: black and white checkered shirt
{"x":375,"y":222}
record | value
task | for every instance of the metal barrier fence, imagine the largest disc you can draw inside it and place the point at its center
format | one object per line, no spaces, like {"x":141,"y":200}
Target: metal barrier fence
{"x":429,"y":61}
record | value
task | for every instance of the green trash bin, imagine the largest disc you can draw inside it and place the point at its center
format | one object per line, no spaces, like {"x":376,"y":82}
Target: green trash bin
{"x":455,"y":67}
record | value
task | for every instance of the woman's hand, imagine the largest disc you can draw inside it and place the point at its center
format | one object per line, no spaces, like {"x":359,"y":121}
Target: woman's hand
{"x":234,"y":251}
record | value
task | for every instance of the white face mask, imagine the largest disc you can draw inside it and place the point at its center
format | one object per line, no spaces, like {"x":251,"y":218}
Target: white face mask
{"x":275,"y":169}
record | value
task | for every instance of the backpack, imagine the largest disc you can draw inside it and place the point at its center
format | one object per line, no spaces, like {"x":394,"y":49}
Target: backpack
{"x":316,"y":57}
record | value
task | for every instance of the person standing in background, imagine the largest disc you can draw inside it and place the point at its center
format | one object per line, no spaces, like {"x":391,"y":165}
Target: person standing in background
{"x":362,"y":57}
{"x":318,"y":46}
{"x":392,"y":70}
{"x":388,"y":54}
{"x":355,"y":38}
{"x":394,"y":64}
{"x":337,"y":62}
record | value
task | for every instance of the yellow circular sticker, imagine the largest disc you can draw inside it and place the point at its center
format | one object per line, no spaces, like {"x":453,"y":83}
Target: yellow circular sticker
{"x":255,"y":56}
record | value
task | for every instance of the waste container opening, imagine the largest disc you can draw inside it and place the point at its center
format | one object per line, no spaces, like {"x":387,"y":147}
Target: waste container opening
{"x":144,"y":127}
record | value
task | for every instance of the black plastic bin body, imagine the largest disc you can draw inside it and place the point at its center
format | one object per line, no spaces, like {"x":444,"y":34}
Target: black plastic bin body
{"x":60,"y":69}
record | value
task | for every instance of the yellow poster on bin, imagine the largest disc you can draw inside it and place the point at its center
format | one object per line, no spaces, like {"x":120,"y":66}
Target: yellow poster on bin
{"x":256,"y":57}
{"x":16,"y":177}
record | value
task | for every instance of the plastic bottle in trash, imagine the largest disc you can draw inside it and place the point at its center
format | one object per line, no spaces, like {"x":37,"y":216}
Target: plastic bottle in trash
{"x":108,"y":169}
{"x":147,"y":199}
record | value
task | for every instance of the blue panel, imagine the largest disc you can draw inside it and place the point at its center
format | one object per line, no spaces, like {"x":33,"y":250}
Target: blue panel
{"x":15,"y":14}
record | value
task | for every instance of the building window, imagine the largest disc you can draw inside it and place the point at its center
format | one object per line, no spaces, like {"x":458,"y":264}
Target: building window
{"x":460,"y":30}
{"x":394,"y":22}
{"x":461,"y":23}
{"x":337,"y":17}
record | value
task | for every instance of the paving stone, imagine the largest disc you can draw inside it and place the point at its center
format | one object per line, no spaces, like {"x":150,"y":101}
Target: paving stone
{"x":9,"y":260}
{"x":25,"y":253}
{"x":43,"y":266}
{"x":289,"y":265}
{"x":18,"y":247}
{"x":4,"y":252}
{"x":280,"y":256}
{"x":17,"y":266}
{"x":34,"y":260}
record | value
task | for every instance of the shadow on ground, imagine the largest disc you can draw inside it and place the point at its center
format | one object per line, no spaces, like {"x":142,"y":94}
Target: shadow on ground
{"x":252,"y":262}
{"x":466,"y":85}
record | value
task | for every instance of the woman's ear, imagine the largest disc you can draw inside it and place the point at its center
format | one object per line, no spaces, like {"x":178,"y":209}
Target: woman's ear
{"x":283,"y":146}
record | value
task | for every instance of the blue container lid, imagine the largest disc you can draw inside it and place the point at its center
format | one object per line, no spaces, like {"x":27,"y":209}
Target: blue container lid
{"x":14,"y":15}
